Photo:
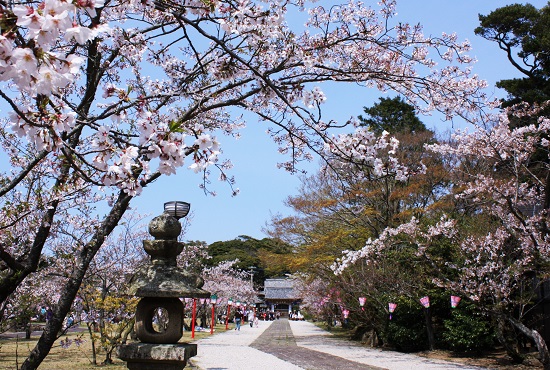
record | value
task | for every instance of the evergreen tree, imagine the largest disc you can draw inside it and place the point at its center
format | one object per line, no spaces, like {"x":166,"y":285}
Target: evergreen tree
{"x":523,"y":33}
{"x":392,"y":115}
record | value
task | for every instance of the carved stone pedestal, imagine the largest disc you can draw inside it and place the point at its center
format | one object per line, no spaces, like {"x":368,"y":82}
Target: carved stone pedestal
{"x":148,"y":356}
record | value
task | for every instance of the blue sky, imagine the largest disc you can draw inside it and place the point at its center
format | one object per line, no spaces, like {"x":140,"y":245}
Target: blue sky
{"x":263,"y":187}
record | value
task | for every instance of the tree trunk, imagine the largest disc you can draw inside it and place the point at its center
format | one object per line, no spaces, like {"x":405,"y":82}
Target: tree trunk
{"x":429,"y":328}
{"x":19,"y":269}
{"x":329,"y":322}
{"x":544,"y":355}
{"x":128,"y":331}
{"x":108,"y":357}
{"x":71,"y":287}
{"x":510,"y":350}
{"x":94,"y":351}
{"x":546,"y":204}
{"x":115,"y":341}
{"x":28,"y":329}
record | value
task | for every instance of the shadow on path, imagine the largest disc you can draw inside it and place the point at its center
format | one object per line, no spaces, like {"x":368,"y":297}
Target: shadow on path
{"x":279,"y":341}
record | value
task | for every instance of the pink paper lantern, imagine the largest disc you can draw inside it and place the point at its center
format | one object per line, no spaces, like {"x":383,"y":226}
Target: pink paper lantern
{"x":345,"y":313}
{"x":362,"y":301}
{"x":425,"y":301}
{"x":455,"y":301}
{"x":391,"y":308}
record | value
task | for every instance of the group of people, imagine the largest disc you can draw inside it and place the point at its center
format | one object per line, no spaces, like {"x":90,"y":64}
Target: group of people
{"x":245,"y":316}
{"x":296,"y":315}
{"x":44,"y":314}
{"x":252,"y":318}
{"x":270,"y":315}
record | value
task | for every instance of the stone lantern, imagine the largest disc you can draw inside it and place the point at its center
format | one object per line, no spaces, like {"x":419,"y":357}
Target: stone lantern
{"x":160,"y":285}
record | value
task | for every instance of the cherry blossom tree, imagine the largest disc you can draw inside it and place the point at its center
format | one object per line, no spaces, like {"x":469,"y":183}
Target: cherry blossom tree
{"x":106,"y":96}
{"x":104,"y":305}
{"x":24,"y":306}
{"x":514,"y":253}
{"x":318,"y":298}
{"x":502,"y":183}
{"x":193,"y":256}
{"x":227,"y":282}
{"x":224,"y":280}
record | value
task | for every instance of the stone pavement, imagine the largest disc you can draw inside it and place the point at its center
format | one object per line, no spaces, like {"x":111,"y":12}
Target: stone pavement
{"x":299,"y":345}
{"x":279,"y":341}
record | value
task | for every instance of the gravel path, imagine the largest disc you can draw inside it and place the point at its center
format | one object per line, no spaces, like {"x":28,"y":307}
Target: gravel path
{"x":231,"y":351}
{"x":300,"y":345}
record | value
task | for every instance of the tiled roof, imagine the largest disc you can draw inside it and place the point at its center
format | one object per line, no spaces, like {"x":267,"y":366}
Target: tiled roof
{"x":283,"y":293}
{"x":279,"y":283}
{"x":279,"y":289}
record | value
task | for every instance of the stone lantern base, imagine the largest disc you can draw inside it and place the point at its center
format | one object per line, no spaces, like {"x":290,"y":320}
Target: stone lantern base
{"x":149,"y":356}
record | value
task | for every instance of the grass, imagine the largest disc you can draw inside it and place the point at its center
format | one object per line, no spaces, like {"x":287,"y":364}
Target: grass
{"x":14,"y":351}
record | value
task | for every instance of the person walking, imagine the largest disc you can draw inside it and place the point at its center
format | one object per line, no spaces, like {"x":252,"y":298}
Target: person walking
{"x":251,"y":317}
{"x":238,"y":318}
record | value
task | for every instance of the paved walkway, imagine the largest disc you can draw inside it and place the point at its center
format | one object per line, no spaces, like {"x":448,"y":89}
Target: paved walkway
{"x":300,"y":345}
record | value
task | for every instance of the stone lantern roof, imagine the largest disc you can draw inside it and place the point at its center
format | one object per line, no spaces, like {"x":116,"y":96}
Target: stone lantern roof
{"x":163,"y":278}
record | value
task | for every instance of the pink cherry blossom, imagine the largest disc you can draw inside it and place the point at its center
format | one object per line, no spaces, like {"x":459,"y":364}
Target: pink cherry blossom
{"x":106,"y":99}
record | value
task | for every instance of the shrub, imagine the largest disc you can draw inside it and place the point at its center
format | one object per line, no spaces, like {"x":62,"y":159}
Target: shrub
{"x":468,"y":330}
{"x":409,"y":337}
{"x":407,"y":330}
